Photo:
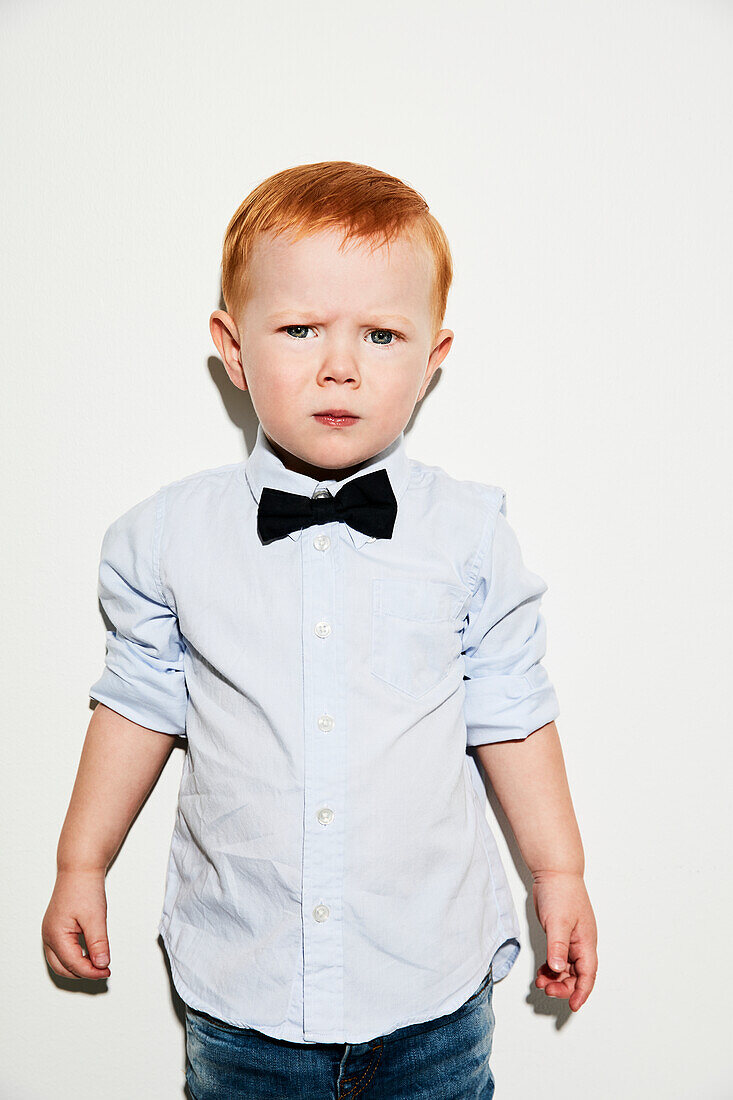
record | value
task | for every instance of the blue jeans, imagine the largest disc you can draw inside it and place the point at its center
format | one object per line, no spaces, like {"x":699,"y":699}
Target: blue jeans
{"x":442,"y":1059}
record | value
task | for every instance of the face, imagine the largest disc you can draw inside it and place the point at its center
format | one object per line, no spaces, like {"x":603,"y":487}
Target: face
{"x":325,"y":330}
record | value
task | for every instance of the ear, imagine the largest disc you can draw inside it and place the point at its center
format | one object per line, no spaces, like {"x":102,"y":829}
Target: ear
{"x":443,"y":342}
{"x":225,"y":334}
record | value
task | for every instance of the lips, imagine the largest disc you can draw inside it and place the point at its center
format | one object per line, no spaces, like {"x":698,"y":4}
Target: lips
{"x":335,"y":412}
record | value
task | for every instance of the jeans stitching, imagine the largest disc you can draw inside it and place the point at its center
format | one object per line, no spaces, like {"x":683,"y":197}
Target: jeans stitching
{"x":365,"y":1077}
{"x":356,"y":1076}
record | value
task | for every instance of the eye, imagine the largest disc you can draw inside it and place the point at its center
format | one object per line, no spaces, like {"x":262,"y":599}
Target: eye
{"x":385,"y":337}
{"x":384,"y":332}
{"x":298,"y":328}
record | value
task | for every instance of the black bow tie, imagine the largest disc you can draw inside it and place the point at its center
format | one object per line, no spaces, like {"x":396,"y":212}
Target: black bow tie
{"x":366,"y":503}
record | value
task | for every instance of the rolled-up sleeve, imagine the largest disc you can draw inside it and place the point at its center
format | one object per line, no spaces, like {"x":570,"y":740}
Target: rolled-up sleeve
{"x":143,"y":677}
{"x":508,"y":690}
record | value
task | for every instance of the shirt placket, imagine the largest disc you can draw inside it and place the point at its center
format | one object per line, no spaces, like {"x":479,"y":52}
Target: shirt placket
{"x":324,"y":731}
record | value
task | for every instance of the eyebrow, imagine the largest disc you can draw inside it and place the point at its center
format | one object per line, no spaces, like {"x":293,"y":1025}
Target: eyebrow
{"x":404,"y":321}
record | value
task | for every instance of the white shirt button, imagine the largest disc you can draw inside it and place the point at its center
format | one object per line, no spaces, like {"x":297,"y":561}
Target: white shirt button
{"x":322,"y":629}
{"x":321,"y":542}
{"x":326,"y":723}
{"x":325,"y":816}
{"x":321,"y":913}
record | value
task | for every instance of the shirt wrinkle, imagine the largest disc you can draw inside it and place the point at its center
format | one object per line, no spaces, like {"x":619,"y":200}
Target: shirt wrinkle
{"x":332,"y":874}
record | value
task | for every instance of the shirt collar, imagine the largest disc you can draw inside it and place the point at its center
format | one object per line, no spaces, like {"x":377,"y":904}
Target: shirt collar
{"x":265,"y":467}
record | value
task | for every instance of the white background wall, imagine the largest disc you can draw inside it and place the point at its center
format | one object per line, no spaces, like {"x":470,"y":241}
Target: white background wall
{"x":579,"y":156}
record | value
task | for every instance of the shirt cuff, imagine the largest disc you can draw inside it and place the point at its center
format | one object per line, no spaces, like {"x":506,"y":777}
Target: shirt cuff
{"x":161,"y":708}
{"x":506,"y":708}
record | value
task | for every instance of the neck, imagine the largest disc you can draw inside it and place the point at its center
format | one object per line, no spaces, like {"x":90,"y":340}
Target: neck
{"x":318,"y":473}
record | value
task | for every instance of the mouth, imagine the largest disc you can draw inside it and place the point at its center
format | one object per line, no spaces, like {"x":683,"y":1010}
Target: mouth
{"x":336,"y":418}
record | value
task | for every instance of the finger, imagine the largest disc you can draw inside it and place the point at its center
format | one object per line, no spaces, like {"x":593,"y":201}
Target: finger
{"x":56,"y":965}
{"x":558,"y":942}
{"x":94,"y":929}
{"x":546,"y":974}
{"x":96,"y":970}
{"x":542,"y":981}
{"x":95,"y":937}
{"x":83,"y":970}
{"x":560,"y":989}
{"x":69,"y":951}
{"x":586,"y":969}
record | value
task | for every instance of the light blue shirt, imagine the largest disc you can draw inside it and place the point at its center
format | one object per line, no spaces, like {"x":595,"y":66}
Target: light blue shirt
{"x":332,"y":874}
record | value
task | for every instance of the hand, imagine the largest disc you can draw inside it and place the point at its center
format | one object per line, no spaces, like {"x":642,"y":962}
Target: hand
{"x":564,"y":910}
{"x":78,"y":904}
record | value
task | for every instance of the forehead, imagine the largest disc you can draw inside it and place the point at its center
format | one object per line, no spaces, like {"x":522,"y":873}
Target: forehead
{"x":318,"y":270}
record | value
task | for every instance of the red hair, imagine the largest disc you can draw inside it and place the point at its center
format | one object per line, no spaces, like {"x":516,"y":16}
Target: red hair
{"x":366,"y":203}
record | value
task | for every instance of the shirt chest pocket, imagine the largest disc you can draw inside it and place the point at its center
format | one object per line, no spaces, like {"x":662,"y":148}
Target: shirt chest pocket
{"x":415,"y":641}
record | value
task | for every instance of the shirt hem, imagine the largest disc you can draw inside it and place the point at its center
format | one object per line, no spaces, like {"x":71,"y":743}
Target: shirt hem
{"x":339,"y":1037}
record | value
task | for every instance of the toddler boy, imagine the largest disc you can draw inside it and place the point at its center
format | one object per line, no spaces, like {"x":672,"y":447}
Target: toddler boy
{"x":330,"y":625}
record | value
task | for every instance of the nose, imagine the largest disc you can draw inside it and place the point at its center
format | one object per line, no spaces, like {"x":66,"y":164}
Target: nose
{"x":338,"y":362}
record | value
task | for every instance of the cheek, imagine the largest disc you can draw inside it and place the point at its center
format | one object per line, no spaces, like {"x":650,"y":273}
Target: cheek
{"x":403,"y":380}
{"x":272,"y":379}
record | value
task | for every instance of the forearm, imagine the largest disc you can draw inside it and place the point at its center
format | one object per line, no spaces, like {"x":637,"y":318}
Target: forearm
{"x":531,"y":784}
{"x":119,"y":764}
